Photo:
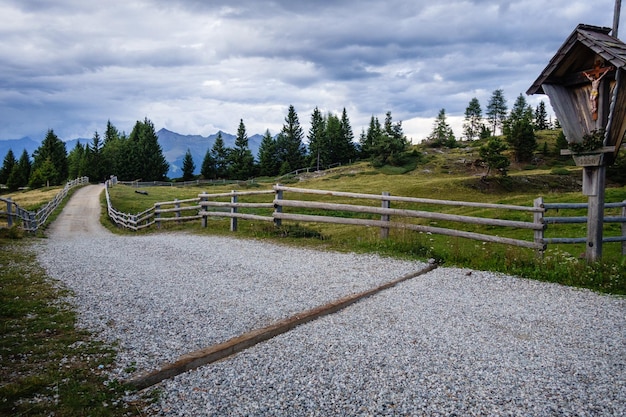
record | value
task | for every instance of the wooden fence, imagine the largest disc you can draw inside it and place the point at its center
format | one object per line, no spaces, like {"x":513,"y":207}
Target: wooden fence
{"x":306,"y":211}
{"x":32,"y":220}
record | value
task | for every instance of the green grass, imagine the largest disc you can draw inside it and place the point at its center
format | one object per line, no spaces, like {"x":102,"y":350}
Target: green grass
{"x":47,"y":365}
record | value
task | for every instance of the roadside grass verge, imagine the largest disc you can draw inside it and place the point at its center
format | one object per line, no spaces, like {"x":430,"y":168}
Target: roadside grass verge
{"x":47,"y":365}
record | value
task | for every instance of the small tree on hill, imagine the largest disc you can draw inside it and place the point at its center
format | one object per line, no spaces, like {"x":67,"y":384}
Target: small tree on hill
{"x":442,"y":134}
{"x":496,"y":110}
{"x":491,"y":153}
{"x":473,"y":120}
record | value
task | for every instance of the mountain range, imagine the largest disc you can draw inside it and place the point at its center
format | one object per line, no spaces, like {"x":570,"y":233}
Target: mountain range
{"x":174,"y":146}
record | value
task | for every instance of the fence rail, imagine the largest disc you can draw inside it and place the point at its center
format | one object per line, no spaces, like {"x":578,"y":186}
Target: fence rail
{"x":32,"y":220}
{"x":281,"y":209}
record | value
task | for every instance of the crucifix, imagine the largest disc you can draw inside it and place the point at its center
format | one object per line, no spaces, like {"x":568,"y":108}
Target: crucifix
{"x":595,"y":75}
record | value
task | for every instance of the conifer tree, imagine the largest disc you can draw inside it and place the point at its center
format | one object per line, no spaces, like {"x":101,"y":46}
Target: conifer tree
{"x":520,"y":131}
{"x":371,"y":138}
{"x":20,"y":173}
{"x":491,"y":153}
{"x":146,"y":155}
{"x":290,"y":148}
{"x":318,"y":140}
{"x":442,"y":134}
{"x":541,"y":117}
{"x":269,"y":164}
{"x":52,"y":149}
{"x":496,"y":110}
{"x":208,"y":169}
{"x":347,"y":147}
{"x":473,"y":120}
{"x":241,"y":159}
{"x":220,"y":152}
{"x":76,"y":161}
{"x":7,"y":166}
{"x":188,"y":166}
{"x":94,"y":164}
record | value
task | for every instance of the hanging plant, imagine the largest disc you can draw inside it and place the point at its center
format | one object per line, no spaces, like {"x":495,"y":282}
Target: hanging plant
{"x":590,"y":143}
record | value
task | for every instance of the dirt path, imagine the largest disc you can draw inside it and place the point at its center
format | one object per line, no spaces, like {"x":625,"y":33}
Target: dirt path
{"x":81,"y":215}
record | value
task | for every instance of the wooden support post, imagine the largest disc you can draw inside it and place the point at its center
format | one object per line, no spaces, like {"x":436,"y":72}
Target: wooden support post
{"x":278,"y":208}
{"x":596,"y":177}
{"x":157,"y":216}
{"x":205,"y":218}
{"x":538,"y":218}
{"x":177,"y":206}
{"x":9,"y":213}
{"x":233,"y":210}
{"x":384,"y":231}
{"x":624,"y":229}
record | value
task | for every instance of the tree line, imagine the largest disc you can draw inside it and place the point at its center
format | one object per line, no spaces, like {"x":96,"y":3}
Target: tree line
{"x":139,"y":156}
{"x":517,"y":130}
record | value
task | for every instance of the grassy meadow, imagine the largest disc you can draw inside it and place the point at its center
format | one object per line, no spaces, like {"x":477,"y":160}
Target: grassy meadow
{"x":447,"y":174}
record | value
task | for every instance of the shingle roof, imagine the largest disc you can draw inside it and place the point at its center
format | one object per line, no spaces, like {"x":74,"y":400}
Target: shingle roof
{"x":583,"y":44}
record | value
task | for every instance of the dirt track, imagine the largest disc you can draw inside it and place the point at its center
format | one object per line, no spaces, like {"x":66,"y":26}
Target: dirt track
{"x":81,"y":215}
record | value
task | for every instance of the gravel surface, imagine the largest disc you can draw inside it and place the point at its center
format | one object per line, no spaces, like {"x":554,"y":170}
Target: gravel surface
{"x":451,"y":342}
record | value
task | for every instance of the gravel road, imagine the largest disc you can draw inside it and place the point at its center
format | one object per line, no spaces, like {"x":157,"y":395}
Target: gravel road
{"x":450,"y":342}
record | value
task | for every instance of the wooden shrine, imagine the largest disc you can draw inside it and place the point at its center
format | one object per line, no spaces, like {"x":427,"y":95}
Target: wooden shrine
{"x":586,"y":84}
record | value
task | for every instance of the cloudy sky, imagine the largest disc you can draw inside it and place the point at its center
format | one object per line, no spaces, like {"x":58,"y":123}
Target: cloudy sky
{"x":196,"y":66}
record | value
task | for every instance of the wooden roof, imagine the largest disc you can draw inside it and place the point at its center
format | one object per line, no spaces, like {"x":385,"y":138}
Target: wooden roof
{"x":579,"y":53}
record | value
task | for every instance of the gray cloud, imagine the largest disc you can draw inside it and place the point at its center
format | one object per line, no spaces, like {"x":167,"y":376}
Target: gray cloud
{"x":195,"y":66}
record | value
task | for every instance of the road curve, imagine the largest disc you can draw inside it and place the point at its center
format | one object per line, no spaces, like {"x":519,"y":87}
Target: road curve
{"x":81,"y":215}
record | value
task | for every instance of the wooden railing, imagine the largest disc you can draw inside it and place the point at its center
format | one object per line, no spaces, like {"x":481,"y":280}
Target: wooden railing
{"x":33,"y":220}
{"x":281,"y":208}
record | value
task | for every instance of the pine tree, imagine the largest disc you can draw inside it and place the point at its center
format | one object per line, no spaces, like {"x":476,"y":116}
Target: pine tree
{"x":20,"y":173}
{"x":370,"y":139}
{"x":111,"y":153}
{"x":76,"y":161}
{"x":541,"y":117}
{"x":94,"y":166}
{"x":346,"y":148}
{"x":442,"y":134}
{"x":522,"y":139}
{"x":491,"y":153}
{"x":220,"y":152}
{"x":146,"y":155}
{"x":269,"y":164}
{"x":561,"y":143}
{"x":496,"y":110}
{"x":208,"y":169}
{"x":334,"y":137}
{"x":52,"y":149}
{"x":473,"y":120}
{"x":188,"y":166}
{"x":241,"y":159}
{"x":7,"y":166}
{"x":318,"y":141}
{"x":290,"y":149}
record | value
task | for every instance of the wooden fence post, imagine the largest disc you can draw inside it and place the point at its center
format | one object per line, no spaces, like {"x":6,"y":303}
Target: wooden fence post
{"x":9,"y":214}
{"x":278,"y":208}
{"x":33,"y":222}
{"x":624,"y":229}
{"x":205,"y":218}
{"x":177,"y":206}
{"x":538,"y":218}
{"x":157,"y":215}
{"x":233,"y":210}
{"x":384,"y":231}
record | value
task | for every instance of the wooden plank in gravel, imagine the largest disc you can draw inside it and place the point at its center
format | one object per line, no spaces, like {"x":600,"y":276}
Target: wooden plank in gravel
{"x":220,"y":351}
